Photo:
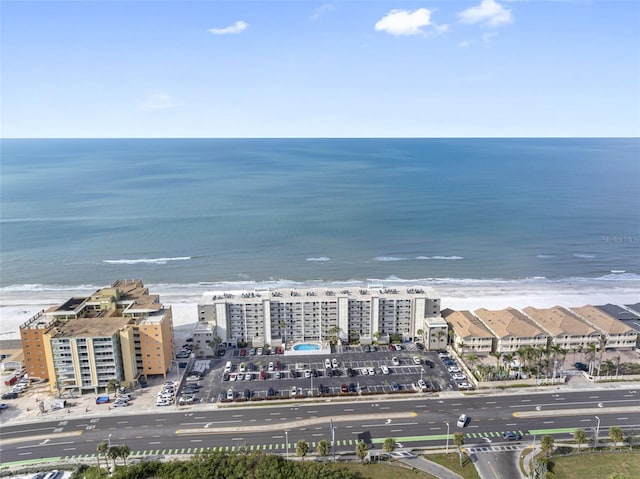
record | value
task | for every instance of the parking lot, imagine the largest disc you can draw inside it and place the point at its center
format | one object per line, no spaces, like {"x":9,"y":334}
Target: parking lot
{"x":252,"y":374}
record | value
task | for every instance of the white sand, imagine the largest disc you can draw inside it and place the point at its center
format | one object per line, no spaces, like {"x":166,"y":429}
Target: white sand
{"x":18,"y":307}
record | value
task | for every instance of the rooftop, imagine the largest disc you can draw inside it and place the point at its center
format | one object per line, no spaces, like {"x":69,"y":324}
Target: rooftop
{"x":558,"y":320}
{"x":466,"y":324}
{"x":509,"y":322}
{"x":91,"y":327}
{"x":602,"y":320}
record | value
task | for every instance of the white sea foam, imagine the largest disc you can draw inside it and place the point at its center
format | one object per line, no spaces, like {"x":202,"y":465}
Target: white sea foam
{"x":584,"y":255}
{"x":389,"y":258}
{"x":444,"y":258}
{"x":546,"y":256}
{"x":146,"y":260}
{"x":319,"y":259}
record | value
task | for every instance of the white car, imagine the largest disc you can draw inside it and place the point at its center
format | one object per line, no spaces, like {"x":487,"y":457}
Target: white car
{"x":248,"y":376}
{"x":259,"y":351}
{"x":365,"y":372}
{"x":119,"y":403}
{"x":243,"y":367}
{"x":422,"y":385}
{"x":335,"y":363}
{"x":230,"y":394}
{"x":371,"y":371}
{"x":163,"y":402}
{"x":464,"y":386}
{"x":294,"y":391}
{"x":271,"y":367}
{"x":307,"y":373}
{"x":240,"y":377}
{"x":398,"y":347}
{"x":395,"y":361}
{"x":454,"y":369}
{"x":385,"y":370}
{"x":459,"y":377}
{"x":327,"y":363}
{"x":417,"y":360}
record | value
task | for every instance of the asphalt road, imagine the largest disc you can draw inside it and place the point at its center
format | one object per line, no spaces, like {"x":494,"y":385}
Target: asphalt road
{"x":412,"y":422}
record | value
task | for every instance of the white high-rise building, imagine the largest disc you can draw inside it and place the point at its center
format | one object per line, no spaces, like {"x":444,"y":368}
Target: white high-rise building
{"x":280,"y":316}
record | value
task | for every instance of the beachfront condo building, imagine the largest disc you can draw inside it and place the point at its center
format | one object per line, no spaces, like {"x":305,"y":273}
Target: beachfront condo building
{"x":512,"y":329}
{"x":469,"y":334}
{"x":118,"y":333}
{"x":615,"y":333}
{"x":284,"y":316}
{"x":565,"y":328}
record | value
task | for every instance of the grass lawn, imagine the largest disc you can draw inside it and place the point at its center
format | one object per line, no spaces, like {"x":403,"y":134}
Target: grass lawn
{"x":452,"y":462}
{"x":385,"y":471}
{"x":597,"y":465}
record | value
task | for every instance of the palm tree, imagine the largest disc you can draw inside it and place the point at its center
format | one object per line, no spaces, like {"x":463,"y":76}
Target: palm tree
{"x":302,"y":448}
{"x":580,"y":436}
{"x":389,"y":445}
{"x":473,"y":360}
{"x":497,"y":355}
{"x":361,"y":450}
{"x":112,"y":385}
{"x":113,"y":453}
{"x":125,"y":452}
{"x":616,"y":435}
{"x":546,"y":444}
{"x":102,"y":449}
{"x":323,"y":448}
{"x":458,"y":440}
{"x":420,"y":333}
{"x":507,"y":359}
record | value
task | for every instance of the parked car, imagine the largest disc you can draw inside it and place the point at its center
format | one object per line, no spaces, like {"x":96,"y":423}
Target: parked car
{"x":230,"y":394}
{"x":417,"y":360}
{"x":10,"y":395}
{"x":120,"y":403}
{"x":344,"y":388}
{"x":294,"y":391}
{"x":271,"y":392}
{"x":385,"y":370}
{"x":3,"y":406}
{"x":581,"y":366}
{"x":422,"y":385}
{"x":327,"y":363}
{"x":395,"y":361}
{"x":398,"y":347}
{"x":395,"y":386}
{"x":247,"y":394}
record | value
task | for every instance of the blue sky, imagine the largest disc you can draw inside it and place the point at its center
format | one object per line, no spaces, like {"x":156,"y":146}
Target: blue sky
{"x":480,"y":68}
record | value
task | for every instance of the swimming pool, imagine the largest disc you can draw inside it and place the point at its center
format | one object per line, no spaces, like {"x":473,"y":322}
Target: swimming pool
{"x":306,"y":347}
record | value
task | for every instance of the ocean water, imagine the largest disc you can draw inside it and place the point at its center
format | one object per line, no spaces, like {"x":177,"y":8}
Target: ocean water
{"x":271,"y":211}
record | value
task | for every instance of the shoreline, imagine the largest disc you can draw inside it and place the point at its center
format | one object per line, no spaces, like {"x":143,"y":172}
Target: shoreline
{"x":18,"y":306}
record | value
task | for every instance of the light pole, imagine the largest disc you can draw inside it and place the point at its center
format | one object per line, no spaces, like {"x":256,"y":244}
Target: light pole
{"x":286,"y":435}
{"x":597,"y":432}
{"x":446,"y":451}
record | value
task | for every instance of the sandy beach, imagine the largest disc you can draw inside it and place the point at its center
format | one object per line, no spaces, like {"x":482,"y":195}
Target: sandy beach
{"x":17,"y":307}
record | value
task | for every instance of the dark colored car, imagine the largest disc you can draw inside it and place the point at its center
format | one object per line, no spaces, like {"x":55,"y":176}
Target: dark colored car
{"x":10,"y":396}
{"x":395,"y":386}
{"x":511,"y":436}
{"x":581,"y":366}
{"x":344,"y":388}
{"x":247,"y":394}
{"x":271,"y":392}
{"x":352,"y":388}
{"x":428,"y":363}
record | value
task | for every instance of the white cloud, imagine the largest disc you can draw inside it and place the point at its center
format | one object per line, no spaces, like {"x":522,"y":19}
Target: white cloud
{"x":464,"y":44}
{"x":321,"y":10}
{"x":489,"y":12}
{"x":406,"y":22}
{"x":238,"y":27}
{"x":158,"y":101}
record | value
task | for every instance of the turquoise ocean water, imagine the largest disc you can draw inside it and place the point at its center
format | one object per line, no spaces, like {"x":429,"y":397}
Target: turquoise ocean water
{"x":77,"y":212}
